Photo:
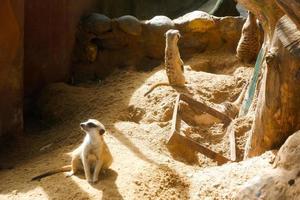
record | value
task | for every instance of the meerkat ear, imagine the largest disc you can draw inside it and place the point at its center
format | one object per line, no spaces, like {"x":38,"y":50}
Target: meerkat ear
{"x":101,"y":131}
{"x":179,"y":35}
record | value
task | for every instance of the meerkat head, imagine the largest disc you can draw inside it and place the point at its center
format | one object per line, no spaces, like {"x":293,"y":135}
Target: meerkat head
{"x":93,"y":126}
{"x":172,"y":35}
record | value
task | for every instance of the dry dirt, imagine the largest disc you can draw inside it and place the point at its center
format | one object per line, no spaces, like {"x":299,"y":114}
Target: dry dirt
{"x":137,"y":126}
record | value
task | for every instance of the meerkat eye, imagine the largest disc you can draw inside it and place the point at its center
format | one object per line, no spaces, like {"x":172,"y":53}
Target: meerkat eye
{"x":91,"y":125}
{"x":101,"y":131}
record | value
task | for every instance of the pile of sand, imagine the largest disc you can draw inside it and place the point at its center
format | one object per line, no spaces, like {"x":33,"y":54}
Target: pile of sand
{"x":161,"y":182}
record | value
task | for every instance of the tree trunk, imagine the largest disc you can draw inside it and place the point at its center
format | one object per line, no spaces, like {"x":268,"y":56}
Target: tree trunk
{"x":278,"y":107}
{"x":291,"y":9}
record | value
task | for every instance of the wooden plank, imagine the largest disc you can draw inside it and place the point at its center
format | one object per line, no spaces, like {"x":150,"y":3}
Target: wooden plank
{"x":232,"y":146}
{"x":201,"y":107}
{"x":176,"y":119}
{"x":190,"y":143}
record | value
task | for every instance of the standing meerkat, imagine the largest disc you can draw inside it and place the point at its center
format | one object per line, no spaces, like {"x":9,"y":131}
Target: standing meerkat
{"x":250,"y":41}
{"x":173,"y":63}
{"x":92,"y":153}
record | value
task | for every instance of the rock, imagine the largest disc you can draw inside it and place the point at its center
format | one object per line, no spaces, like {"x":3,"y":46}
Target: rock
{"x":96,"y":23}
{"x":196,"y":21}
{"x":202,"y":31}
{"x":288,"y":156}
{"x":283,"y":182}
{"x":160,"y":21}
{"x":153,"y":35}
{"x":272,"y":184}
{"x":130,"y":25}
{"x":230,"y":27}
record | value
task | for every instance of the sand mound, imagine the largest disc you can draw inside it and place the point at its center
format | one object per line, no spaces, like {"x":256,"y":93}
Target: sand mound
{"x":161,"y":183}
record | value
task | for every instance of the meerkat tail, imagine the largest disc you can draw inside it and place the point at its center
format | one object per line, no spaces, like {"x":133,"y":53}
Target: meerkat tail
{"x":155,"y":86}
{"x":51,"y":172}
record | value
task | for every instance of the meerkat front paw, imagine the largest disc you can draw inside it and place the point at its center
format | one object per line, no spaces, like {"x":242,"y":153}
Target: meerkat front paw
{"x":90,"y":181}
{"x":69,"y":174}
{"x":95,"y":180}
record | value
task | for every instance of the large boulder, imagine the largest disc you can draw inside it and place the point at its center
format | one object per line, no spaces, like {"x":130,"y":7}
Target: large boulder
{"x":196,"y":21}
{"x":288,"y":156}
{"x":281,"y":182}
{"x":96,"y":23}
{"x":202,"y":31}
{"x":130,"y":25}
{"x":153,"y":35}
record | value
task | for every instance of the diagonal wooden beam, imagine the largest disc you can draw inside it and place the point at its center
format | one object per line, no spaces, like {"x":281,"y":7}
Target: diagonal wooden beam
{"x":176,"y":119}
{"x":201,"y":107}
{"x":190,"y":143}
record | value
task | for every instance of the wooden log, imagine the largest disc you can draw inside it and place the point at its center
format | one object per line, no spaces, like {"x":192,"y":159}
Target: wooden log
{"x":232,"y":143}
{"x":277,"y":111}
{"x":289,"y":35}
{"x":291,"y":9}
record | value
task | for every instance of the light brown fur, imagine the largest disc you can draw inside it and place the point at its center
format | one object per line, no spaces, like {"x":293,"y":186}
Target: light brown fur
{"x":250,"y":41}
{"x":173,"y":63}
{"x":231,"y":109}
{"x":92,"y":153}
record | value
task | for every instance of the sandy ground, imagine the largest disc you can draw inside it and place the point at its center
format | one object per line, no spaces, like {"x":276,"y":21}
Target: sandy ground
{"x":137,"y":127}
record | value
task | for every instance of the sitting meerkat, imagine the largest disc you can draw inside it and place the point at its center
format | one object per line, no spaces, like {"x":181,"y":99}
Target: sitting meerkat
{"x":92,"y":153}
{"x":231,"y":109}
{"x":173,"y":63}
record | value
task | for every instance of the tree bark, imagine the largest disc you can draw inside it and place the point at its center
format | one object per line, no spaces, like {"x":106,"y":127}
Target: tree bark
{"x":278,"y":111}
{"x":292,"y":9}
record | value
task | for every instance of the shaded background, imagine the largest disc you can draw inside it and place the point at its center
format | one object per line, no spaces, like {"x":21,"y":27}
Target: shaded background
{"x":37,"y":40}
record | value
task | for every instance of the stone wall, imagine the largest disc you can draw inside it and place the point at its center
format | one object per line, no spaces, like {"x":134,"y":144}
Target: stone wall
{"x":104,"y":44}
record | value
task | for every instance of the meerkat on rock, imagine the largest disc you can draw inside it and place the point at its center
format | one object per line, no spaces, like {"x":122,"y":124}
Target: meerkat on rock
{"x":173,"y":63}
{"x":93,"y":153}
